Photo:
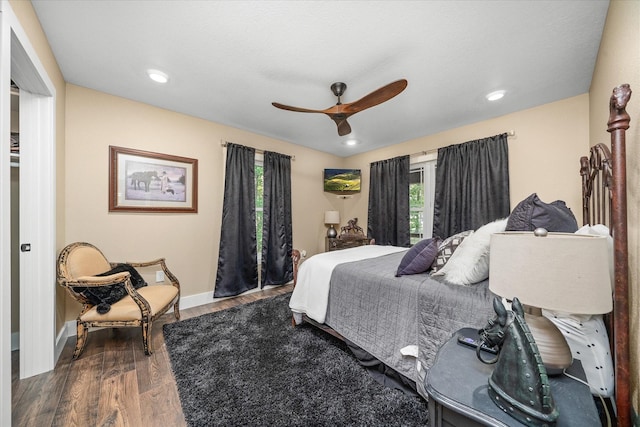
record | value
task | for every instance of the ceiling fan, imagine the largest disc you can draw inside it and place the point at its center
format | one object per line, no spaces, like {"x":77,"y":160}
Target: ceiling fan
{"x":340,"y":112}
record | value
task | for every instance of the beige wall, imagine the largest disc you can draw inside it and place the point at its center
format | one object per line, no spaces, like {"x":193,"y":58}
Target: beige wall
{"x":31,"y":25}
{"x":189,"y":242}
{"x":543,"y":155}
{"x":619,"y":62}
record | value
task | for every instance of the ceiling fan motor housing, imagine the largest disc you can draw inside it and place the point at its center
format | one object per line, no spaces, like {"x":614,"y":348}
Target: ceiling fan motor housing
{"x":338,"y":89}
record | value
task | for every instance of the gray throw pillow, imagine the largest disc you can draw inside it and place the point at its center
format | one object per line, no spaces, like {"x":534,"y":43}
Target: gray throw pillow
{"x":419,"y":258}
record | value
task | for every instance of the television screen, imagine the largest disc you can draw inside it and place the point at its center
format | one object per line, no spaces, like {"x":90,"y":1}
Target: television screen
{"x":342,"y":180}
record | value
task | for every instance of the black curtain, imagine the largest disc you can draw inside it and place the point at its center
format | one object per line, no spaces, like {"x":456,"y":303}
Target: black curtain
{"x":472,"y":185}
{"x":277,"y":240}
{"x":237,"y":260}
{"x":389,"y":202}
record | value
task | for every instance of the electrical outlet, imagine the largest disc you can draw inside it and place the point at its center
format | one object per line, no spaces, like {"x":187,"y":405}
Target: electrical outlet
{"x":303,"y":253}
{"x":159,"y":276}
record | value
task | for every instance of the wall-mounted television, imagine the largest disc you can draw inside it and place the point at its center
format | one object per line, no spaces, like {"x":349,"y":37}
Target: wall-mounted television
{"x":342,"y":181}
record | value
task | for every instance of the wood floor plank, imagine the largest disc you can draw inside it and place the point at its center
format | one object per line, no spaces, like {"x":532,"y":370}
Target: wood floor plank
{"x":152,"y":370}
{"x":119,"y":351}
{"x":119,"y":404}
{"x":26,"y":408}
{"x":162,"y":402}
{"x":78,"y":405}
{"x":113,"y":383}
{"x":40,"y":395}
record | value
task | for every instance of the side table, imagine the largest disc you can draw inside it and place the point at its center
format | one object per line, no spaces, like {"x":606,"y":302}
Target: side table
{"x":457,"y":385}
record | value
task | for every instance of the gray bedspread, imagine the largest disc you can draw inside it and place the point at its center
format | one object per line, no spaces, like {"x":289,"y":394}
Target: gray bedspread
{"x":382,"y":313}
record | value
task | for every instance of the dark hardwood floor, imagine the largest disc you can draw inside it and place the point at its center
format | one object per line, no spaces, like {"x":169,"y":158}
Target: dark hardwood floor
{"x":113,"y":383}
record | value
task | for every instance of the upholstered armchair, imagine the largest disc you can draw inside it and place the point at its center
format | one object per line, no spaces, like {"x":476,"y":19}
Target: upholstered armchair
{"x":81,"y":268}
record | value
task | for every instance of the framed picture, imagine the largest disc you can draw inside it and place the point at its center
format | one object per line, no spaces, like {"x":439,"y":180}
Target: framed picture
{"x":142,"y":181}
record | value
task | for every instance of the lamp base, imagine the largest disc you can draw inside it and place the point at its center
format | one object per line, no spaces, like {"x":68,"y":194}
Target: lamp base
{"x":331,"y":232}
{"x":552,"y":346}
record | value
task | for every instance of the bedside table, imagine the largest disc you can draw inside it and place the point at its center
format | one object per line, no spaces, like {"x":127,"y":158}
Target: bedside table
{"x":457,"y":385}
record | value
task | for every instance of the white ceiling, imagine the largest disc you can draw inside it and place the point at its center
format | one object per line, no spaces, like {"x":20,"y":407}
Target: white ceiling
{"x":228,"y":60}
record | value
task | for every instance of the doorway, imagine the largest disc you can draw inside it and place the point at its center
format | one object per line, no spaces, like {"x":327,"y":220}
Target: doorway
{"x":19,"y":62}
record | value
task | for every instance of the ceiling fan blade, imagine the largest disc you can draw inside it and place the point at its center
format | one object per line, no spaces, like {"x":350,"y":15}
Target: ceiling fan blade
{"x":298,"y":109}
{"x":343,"y":126}
{"x":376,"y":97}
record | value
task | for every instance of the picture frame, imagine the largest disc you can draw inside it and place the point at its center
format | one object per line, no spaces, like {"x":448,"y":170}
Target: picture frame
{"x":144,"y":181}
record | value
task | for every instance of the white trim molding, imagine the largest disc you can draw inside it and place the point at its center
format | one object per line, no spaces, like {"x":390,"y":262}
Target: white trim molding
{"x":20,"y":63}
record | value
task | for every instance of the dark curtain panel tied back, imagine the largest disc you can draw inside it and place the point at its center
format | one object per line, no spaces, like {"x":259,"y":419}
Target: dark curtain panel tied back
{"x":277,"y":240}
{"x":237,"y":260}
{"x":472,"y":185}
{"x":388,"y":221}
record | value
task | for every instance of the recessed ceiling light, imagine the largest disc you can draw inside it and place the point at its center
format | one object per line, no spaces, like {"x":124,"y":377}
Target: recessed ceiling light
{"x":350,"y":142}
{"x":494,"y":96}
{"x":158,"y":76}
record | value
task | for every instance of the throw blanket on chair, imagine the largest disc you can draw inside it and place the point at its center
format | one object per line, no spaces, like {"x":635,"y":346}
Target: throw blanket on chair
{"x":104,"y":296}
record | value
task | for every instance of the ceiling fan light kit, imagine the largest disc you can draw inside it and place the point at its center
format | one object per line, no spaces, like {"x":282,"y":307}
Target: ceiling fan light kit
{"x":340,"y":112}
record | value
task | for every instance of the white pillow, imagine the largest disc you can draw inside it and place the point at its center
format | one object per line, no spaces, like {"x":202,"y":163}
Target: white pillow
{"x":588,"y":340}
{"x":601,"y":230}
{"x":470,"y":262}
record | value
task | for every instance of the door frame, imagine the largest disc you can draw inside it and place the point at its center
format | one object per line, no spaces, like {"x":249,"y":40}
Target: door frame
{"x":19,"y":61}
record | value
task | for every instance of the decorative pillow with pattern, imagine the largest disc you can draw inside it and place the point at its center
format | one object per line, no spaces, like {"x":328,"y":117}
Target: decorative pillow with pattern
{"x":470,"y":262}
{"x":447,"y":248}
{"x":419,"y":258}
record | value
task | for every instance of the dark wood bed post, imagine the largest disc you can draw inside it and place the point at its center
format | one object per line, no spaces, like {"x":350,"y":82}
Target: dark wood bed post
{"x":617,"y":125}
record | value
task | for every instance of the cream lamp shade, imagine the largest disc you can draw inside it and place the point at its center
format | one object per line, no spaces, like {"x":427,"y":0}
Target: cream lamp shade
{"x":555,"y":271}
{"x":332,"y":217}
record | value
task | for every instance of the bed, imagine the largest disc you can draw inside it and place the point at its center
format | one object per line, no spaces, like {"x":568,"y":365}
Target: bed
{"x":402,"y":321}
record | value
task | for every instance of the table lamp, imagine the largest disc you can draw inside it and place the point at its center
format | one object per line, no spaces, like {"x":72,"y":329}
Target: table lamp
{"x":555,"y":271}
{"x":332,"y":218}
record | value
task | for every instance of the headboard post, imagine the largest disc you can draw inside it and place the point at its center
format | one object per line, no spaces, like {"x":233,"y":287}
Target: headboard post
{"x":597,"y":188}
{"x":617,"y":125}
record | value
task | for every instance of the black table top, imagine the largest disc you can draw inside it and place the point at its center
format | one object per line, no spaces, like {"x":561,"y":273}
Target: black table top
{"x":459,"y":381}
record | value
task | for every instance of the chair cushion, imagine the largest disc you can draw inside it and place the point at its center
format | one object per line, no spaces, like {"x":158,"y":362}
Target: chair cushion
{"x":158,"y":296}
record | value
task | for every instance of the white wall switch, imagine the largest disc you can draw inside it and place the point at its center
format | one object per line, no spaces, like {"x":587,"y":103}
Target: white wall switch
{"x":159,"y":276}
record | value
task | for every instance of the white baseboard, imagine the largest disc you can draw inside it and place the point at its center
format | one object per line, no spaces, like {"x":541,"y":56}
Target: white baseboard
{"x":61,"y":340}
{"x":195,"y":300}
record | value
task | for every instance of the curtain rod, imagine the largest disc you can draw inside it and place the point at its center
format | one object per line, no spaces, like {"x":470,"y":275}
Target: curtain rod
{"x":224,"y":143}
{"x":435,"y":150}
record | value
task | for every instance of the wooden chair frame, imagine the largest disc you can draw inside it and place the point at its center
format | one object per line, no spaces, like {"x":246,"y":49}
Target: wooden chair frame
{"x":146,"y":318}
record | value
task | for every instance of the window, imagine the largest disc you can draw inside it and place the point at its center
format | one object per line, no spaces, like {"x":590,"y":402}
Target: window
{"x":259,"y":175}
{"x":422,"y":181}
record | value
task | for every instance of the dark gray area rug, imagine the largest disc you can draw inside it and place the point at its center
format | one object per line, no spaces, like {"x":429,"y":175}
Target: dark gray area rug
{"x":248,"y":366}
